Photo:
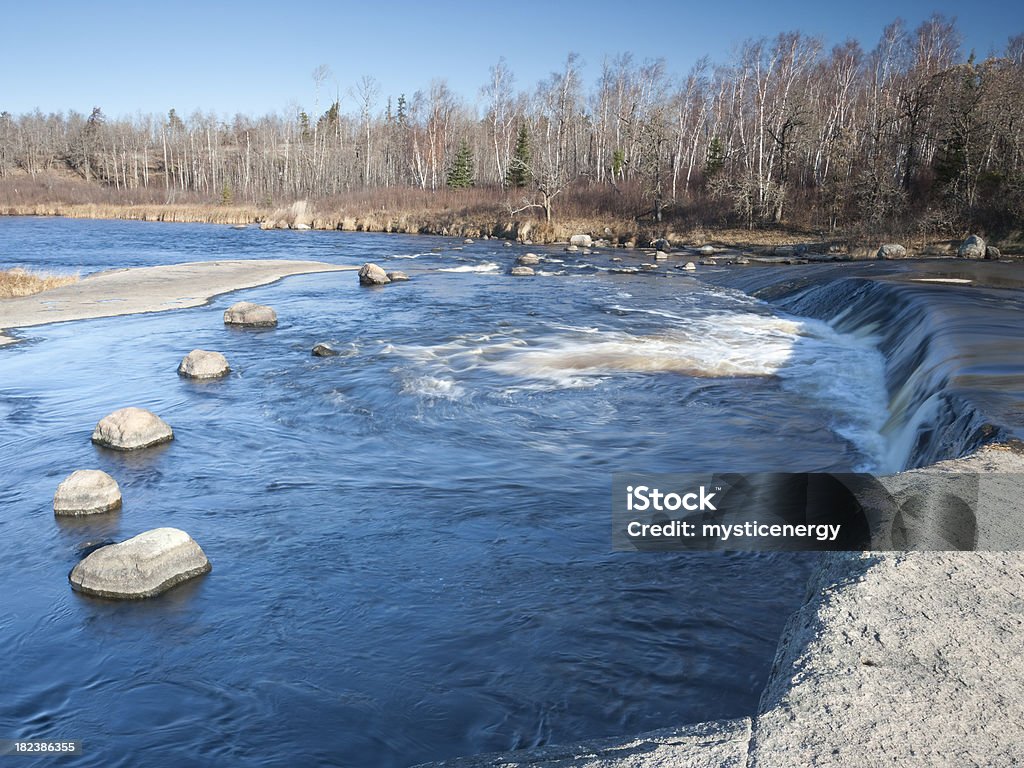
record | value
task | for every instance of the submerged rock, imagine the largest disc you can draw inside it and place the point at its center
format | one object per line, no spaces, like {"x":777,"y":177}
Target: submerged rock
{"x":468,"y":241}
{"x":972,"y":248}
{"x":892,"y":251}
{"x":250,"y":315}
{"x":582,"y":241}
{"x":143,"y":566}
{"x":87,"y":492}
{"x":522,"y":272}
{"x":202,"y":364}
{"x":571,"y":248}
{"x":370,"y":274}
{"x":528,"y":260}
{"x":130,"y":429}
{"x":397,"y":276}
{"x":324,"y":350}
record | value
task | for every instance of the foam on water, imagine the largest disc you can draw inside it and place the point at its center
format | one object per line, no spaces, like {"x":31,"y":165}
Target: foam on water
{"x":488,"y":266}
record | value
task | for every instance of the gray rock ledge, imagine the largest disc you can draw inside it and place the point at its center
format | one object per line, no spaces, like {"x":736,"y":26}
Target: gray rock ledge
{"x":130,"y":429}
{"x":143,"y":566}
{"x":87,"y":492}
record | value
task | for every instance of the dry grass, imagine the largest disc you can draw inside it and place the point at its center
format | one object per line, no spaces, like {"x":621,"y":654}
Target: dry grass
{"x":20,"y":282}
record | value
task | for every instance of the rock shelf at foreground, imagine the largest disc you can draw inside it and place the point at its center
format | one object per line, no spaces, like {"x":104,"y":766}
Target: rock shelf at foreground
{"x":895,"y":658}
{"x":148,"y":289}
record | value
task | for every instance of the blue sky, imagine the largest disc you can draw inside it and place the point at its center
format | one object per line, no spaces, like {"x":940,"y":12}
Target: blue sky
{"x":256,"y":57}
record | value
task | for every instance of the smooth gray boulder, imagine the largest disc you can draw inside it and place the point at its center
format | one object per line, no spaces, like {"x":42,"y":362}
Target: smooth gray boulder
{"x":892,"y":251}
{"x":661,"y":244}
{"x":371,"y":275}
{"x":87,"y":492}
{"x":528,"y":260}
{"x":972,"y":248}
{"x":522,"y":272}
{"x":707,"y":250}
{"x":202,"y":364}
{"x":143,"y":566}
{"x":581,"y":241}
{"x":689,"y":266}
{"x":660,"y":255}
{"x":468,"y":241}
{"x":324,"y":350}
{"x":250,"y":315}
{"x":130,"y":429}
{"x":571,"y":248}
{"x":397,"y":276}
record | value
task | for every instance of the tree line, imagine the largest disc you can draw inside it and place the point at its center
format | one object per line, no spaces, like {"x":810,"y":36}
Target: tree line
{"x":784,"y":131}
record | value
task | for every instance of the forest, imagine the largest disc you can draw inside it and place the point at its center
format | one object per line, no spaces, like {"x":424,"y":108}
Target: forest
{"x":912,"y":136}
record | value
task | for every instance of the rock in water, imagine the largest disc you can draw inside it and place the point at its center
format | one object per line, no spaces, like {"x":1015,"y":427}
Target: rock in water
{"x":87,"y":492}
{"x":250,"y":315}
{"x":972,"y":248}
{"x":581,"y":241}
{"x":690,"y":266}
{"x":991,"y":252}
{"x":324,"y":350}
{"x":660,"y":255}
{"x":707,"y":250}
{"x":143,"y":566}
{"x":661,"y":244}
{"x":397,"y":276}
{"x":522,"y":271}
{"x":528,"y":260}
{"x":130,"y":429}
{"x":201,"y":364}
{"x":371,"y":274}
{"x":892,"y":251}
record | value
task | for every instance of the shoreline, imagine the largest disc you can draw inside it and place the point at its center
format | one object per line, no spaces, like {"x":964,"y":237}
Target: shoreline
{"x":141,"y":290}
{"x":621,"y":233}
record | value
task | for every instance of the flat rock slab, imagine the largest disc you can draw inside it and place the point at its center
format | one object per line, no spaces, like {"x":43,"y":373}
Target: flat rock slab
{"x":148,"y":289}
{"x":130,"y":429}
{"x":203,"y":364}
{"x":249,"y":315}
{"x":143,"y":566}
{"x":718,"y":744}
{"x":87,"y":492}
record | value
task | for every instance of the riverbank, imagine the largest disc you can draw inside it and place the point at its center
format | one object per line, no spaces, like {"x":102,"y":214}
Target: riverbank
{"x":895,"y":658}
{"x":147,"y":289}
{"x":448,"y":219}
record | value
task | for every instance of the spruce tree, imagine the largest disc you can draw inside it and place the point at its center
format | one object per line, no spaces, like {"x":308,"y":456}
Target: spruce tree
{"x":519,"y":174}
{"x":460,"y":175}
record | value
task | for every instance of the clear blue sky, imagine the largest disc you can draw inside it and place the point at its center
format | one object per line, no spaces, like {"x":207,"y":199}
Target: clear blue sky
{"x":256,"y":57}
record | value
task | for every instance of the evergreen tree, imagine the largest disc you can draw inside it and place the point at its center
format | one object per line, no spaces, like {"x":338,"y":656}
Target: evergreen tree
{"x":715,"y":159}
{"x":460,"y":175}
{"x":519,"y":174}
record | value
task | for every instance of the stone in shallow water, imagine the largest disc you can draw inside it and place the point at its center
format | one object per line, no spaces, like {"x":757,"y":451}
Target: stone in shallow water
{"x":689,"y":266}
{"x":129,"y":429}
{"x":324,"y":350}
{"x":202,"y":364}
{"x":143,"y":566}
{"x":87,"y":492}
{"x":397,"y":276}
{"x":522,"y":271}
{"x":528,"y":260}
{"x":250,"y":315}
{"x":972,"y":248}
{"x":371,"y":274}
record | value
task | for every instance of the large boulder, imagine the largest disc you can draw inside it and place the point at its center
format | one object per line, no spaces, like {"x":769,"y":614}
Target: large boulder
{"x":661,"y":244}
{"x":87,"y":492}
{"x":522,"y":272}
{"x":143,"y":566}
{"x":972,"y":248}
{"x":892,"y":251}
{"x":991,"y":252}
{"x":202,"y":364}
{"x":250,"y":315}
{"x":130,"y":429}
{"x":581,"y":241}
{"x":397,"y":276}
{"x":528,"y":260}
{"x":371,"y":274}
